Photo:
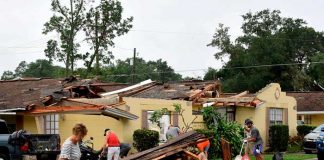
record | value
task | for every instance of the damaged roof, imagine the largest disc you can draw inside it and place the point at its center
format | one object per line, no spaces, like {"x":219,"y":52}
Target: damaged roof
{"x":186,"y":90}
{"x":308,"y":101}
{"x":17,"y":94}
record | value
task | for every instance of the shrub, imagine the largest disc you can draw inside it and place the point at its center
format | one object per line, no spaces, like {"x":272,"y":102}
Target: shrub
{"x":145,"y":139}
{"x":230,"y":131}
{"x":304,"y":129}
{"x":212,"y":151}
{"x":278,"y":137}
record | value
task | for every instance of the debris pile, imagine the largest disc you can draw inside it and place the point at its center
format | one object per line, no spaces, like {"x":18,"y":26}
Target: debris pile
{"x":177,"y":145}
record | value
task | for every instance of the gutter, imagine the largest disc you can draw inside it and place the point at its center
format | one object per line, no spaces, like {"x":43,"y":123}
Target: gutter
{"x":310,"y":112}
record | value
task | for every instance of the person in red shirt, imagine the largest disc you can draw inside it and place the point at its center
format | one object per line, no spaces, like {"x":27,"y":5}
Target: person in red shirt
{"x":203,"y":146}
{"x":112,"y":144}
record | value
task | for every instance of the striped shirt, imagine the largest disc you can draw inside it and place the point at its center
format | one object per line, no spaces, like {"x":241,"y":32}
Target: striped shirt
{"x":70,"y":151}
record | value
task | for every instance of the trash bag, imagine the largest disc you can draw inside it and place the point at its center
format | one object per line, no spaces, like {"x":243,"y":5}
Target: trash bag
{"x":277,"y":156}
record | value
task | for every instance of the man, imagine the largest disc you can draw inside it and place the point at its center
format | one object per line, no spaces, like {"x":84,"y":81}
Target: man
{"x":173,"y":131}
{"x":203,"y":146}
{"x":112,"y":143}
{"x":256,"y":139}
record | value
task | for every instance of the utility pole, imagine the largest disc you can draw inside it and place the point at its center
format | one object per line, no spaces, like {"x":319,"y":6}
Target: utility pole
{"x":133,"y":68}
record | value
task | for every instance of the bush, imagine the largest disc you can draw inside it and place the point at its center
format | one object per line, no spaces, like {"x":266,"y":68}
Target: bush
{"x":212,"y":151}
{"x":145,"y":139}
{"x":304,"y":129}
{"x":278,"y":137}
{"x":230,"y":131}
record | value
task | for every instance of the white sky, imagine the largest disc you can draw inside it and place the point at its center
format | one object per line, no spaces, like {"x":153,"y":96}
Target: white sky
{"x":175,"y":30}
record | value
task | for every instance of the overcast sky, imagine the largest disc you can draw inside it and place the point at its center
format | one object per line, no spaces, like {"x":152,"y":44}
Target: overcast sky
{"x":175,"y":30}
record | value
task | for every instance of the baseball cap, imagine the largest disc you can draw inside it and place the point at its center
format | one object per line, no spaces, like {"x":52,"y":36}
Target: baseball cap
{"x":248,"y":121}
{"x":107,"y":129}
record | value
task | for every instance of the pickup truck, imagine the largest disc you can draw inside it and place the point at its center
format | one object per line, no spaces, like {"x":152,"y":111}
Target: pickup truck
{"x":43,"y":146}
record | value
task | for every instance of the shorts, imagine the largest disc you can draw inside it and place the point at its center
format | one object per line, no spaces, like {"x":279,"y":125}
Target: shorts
{"x":259,"y":148}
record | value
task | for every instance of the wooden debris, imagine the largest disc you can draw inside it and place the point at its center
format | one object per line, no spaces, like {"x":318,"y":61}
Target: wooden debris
{"x":174,"y":146}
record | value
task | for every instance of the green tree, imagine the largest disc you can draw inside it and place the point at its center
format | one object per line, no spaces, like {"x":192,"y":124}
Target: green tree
{"x":22,"y":66}
{"x":103,"y":24}
{"x":67,"y":22}
{"x":43,"y":68}
{"x":7,"y":75}
{"x":268,"y":39}
{"x":211,"y":74}
{"x":121,"y":71}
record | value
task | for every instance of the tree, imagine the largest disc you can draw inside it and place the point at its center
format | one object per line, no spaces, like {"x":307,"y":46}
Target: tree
{"x":19,"y":71}
{"x":67,"y":22}
{"x":42,"y":68}
{"x":210,"y":74}
{"x":102,"y":24}
{"x":7,"y":75}
{"x":268,"y":40}
{"x":121,"y":71}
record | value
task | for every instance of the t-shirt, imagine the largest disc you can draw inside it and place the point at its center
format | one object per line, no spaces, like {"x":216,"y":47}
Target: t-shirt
{"x":70,"y":151}
{"x":172,"y":132}
{"x":112,"y":140}
{"x":256,"y":134}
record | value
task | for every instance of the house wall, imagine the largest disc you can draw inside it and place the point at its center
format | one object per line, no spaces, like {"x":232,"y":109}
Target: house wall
{"x":268,"y":96}
{"x":96,"y":124}
{"x":243,"y":113}
{"x":317,"y":119}
{"x":30,"y":124}
{"x":137,"y":105}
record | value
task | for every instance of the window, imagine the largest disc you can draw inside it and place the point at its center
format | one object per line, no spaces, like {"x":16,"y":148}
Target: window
{"x":307,"y":119}
{"x":276,"y":116}
{"x":163,"y":126}
{"x":227,"y":112}
{"x":52,"y":124}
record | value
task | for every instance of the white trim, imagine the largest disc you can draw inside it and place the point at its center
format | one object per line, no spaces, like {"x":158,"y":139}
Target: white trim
{"x":311,"y":112}
{"x":13,"y":109}
{"x":127,"y":88}
{"x":7,"y":113}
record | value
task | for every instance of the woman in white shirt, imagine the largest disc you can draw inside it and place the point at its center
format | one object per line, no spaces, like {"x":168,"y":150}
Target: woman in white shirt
{"x":70,"y":149}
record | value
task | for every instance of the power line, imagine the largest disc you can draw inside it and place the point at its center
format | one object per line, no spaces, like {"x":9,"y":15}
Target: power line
{"x":195,"y":70}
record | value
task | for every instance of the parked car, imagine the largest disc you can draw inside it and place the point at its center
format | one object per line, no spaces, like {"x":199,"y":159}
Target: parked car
{"x":309,"y":142}
{"x":14,"y":146}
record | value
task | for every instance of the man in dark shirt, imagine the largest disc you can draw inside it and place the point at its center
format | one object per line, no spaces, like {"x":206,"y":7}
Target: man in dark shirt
{"x":256,"y":138}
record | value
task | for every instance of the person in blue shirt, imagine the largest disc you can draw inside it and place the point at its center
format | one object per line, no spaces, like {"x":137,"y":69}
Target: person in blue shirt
{"x":320,"y":145}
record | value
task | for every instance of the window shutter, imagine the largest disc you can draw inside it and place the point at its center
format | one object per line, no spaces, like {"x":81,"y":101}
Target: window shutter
{"x":175,"y":119}
{"x":144,"y":119}
{"x":286,"y":115}
{"x":267,"y":119}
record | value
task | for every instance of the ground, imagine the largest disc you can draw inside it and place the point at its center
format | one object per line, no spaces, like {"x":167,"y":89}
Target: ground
{"x":290,"y":156}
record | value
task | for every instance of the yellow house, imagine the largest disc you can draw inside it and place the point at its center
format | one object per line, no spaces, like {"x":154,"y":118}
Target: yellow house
{"x":140,"y":100}
{"x":310,"y":107}
{"x":267,"y":107}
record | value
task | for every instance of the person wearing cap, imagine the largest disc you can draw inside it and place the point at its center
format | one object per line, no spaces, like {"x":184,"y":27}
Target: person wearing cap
{"x":256,"y":139}
{"x":112,"y":144}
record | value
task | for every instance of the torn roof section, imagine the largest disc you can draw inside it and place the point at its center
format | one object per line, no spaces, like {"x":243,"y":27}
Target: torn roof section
{"x":44,"y":96}
{"x":183,"y":90}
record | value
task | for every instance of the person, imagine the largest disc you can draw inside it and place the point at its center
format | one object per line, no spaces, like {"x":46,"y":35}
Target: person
{"x":112,"y":144}
{"x":320,"y":145}
{"x":203,"y":146}
{"x":173,"y":131}
{"x":70,"y":149}
{"x":256,"y":139}
{"x":249,"y":145}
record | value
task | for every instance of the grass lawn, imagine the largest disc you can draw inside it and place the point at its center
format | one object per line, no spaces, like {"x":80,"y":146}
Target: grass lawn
{"x":287,"y":156}
{"x":290,"y":156}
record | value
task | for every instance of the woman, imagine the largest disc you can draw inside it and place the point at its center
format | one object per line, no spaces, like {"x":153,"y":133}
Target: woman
{"x":70,"y":149}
